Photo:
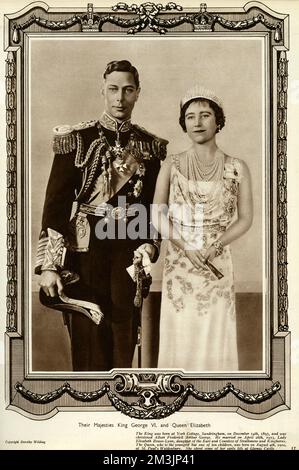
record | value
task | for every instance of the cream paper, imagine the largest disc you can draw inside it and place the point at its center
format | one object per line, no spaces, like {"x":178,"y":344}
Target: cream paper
{"x":112,"y":430}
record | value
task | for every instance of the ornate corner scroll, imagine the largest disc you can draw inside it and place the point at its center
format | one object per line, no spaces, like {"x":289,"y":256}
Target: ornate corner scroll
{"x":282,"y":86}
{"x":11,"y":148}
{"x":148,"y":388}
{"x":149,"y":16}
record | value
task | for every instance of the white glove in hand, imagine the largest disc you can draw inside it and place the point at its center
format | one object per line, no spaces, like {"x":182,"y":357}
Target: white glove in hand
{"x":140,"y":255}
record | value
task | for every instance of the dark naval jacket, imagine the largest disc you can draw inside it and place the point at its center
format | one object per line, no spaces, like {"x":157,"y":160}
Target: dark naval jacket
{"x":95,"y":163}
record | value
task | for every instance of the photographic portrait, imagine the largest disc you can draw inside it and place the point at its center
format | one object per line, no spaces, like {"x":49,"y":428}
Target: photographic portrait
{"x":70,"y":72}
{"x":62,"y":86}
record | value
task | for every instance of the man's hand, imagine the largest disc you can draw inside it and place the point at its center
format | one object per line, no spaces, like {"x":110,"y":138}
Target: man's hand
{"x":50,"y":282}
{"x":150,"y":249}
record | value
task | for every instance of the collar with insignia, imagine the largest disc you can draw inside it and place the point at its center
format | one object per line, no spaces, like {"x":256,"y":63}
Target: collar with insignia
{"x":111,"y":124}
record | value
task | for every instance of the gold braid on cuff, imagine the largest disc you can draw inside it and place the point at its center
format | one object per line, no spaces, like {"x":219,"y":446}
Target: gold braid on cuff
{"x":51,"y":252}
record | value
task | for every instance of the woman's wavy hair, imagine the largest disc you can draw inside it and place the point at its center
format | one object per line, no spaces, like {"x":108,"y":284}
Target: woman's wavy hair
{"x":219,"y":114}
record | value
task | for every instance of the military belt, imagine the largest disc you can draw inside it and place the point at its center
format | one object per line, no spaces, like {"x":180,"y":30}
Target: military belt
{"x":105,"y":210}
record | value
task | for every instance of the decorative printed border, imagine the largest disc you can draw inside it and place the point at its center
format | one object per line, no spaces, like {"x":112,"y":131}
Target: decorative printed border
{"x":11,"y":148}
{"x":282,"y":87}
{"x":149,"y":387}
{"x":147,"y":17}
{"x":149,"y":405}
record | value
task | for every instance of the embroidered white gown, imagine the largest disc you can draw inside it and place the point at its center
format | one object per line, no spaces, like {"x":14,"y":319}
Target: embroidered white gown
{"x":198,"y":319}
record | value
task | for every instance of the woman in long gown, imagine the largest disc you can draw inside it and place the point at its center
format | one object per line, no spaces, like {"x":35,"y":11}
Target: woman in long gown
{"x":208,"y":201}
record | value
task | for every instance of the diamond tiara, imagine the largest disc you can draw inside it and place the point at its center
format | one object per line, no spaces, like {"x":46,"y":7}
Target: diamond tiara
{"x":198,"y":91}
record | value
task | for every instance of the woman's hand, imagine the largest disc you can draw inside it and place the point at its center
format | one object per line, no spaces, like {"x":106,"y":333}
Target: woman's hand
{"x":50,"y":282}
{"x":197,"y":258}
{"x":210,"y":253}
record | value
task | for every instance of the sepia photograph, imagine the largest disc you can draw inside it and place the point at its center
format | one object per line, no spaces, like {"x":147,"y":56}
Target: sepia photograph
{"x":147,"y":210}
{"x":139,"y":95}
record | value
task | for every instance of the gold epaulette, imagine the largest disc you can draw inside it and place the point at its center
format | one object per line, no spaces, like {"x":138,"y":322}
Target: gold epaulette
{"x":158,"y":145}
{"x":65,"y":139}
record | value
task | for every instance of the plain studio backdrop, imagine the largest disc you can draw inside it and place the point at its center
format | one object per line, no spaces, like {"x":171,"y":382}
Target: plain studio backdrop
{"x":62,"y":431}
{"x":65,"y":77}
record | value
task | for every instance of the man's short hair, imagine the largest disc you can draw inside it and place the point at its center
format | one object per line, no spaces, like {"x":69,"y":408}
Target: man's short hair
{"x":122,"y":66}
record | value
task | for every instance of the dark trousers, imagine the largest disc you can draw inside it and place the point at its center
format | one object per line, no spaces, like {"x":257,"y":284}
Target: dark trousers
{"x":105,"y":281}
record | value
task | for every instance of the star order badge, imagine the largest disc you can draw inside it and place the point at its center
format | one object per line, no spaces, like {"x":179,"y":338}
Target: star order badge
{"x":121,"y":166}
{"x":117,"y":150}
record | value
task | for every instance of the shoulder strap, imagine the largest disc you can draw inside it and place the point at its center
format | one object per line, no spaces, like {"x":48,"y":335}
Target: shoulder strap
{"x":67,"y":138}
{"x":157,"y":145}
{"x":64,"y":139}
{"x":233,"y":168}
{"x":176,"y":162}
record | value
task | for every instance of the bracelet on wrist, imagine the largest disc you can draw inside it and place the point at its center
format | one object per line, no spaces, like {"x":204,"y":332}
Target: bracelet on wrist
{"x":218,"y":245}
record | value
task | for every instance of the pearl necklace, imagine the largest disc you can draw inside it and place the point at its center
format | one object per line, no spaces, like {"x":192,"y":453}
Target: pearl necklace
{"x":197,"y":170}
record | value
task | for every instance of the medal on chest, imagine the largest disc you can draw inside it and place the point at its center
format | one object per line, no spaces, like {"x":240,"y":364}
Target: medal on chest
{"x":119,"y":153}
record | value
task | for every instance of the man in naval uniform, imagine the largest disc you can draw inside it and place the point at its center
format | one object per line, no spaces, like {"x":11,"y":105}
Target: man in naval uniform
{"x":101,"y":170}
